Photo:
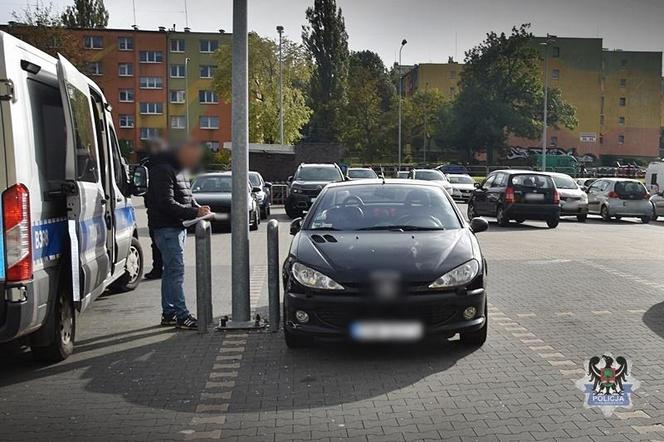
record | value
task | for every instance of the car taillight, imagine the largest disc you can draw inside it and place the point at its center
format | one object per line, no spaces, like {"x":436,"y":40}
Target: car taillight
{"x":646,"y":196}
{"x":509,"y":195}
{"x":556,"y":197}
{"x":613,"y":194}
{"x":18,"y":233}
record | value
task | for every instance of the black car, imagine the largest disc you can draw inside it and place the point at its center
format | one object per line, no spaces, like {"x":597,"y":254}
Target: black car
{"x":264,"y":196}
{"x":215,"y":190}
{"x":377,"y":261}
{"x":307,"y":183}
{"x":516,"y":195}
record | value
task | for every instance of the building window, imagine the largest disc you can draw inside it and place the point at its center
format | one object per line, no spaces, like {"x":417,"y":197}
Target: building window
{"x":151,"y":108}
{"x":178,"y":122}
{"x":151,"y":82}
{"x":177,"y":45}
{"x":623,"y":82}
{"x":554,"y":140}
{"x":214,"y":146}
{"x":621,"y":139}
{"x":148,"y":133}
{"x":125,"y":69}
{"x":93,"y":42}
{"x":208,"y":97}
{"x":177,"y":96}
{"x":126,"y":121}
{"x":151,"y":56}
{"x":555,"y":51}
{"x":209,"y":46}
{"x":555,"y":74}
{"x":126,"y":96}
{"x":621,"y":121}
{"x":207,"y":122}
{"x":622,"y":101}
{"x":95,"y":68}
{"x":125,"y":43}
{"x":207,"y":71}
{"x":177,"y":71}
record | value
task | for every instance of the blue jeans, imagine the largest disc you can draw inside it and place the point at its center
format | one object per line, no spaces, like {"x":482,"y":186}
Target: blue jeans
{"x":171,"y":245}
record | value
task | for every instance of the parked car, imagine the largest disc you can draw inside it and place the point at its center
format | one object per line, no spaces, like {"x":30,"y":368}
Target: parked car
{"x":361,"y":173}
{"x":463,"y":186}
{"x":619,"y":197}
{"x":264,"y":196}
{"x":657,"y":201}
{"x":573,"y":199}
{"x":403,"y":174}
{"x":215,"y":190}
{"x":375,"y":261}
{"x":584,"y":183}
{"x":307,"y":183}
{"x":516,"y":194}
{"x":433,"y":175}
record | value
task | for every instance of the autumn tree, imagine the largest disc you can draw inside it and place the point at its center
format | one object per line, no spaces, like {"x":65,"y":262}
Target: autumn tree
{"x":86,"y":14}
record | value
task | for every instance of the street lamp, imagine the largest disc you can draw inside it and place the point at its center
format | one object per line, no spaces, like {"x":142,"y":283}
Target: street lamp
{"x":549,"y":39}
{"x":280,"y":30}
{"x":403,"y":43}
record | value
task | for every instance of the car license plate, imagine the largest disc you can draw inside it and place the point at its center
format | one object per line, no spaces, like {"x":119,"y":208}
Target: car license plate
{"x":382,"y":331}
{"x":534,"y":197}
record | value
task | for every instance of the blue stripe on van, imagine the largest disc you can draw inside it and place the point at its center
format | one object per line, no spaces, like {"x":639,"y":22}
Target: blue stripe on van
{"x":49,"y":238}
{"x":124,"y":218}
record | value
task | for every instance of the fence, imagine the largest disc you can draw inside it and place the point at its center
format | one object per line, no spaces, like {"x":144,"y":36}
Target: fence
{"x":279,"y":193}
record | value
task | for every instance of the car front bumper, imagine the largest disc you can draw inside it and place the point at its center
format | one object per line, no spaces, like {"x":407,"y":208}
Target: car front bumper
{"x":331,"y":316}
{"x":300,"y":201}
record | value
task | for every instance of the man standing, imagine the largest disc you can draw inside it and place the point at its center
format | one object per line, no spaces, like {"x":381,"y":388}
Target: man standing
{"x":156,"y":147}
{"x":171,"y":203}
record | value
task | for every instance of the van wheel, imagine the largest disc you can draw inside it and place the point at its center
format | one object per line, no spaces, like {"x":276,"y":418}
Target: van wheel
{"x":133,"y":270}
{"x":502,"y":219}
{"x":293,"y":212}
{"x":476,"y":338}
{"x":645,"y":219}
{"x":62,"y":333}
{"x":604,"y":213}
{"x":552,"y":222}
{"x":519,"y":220}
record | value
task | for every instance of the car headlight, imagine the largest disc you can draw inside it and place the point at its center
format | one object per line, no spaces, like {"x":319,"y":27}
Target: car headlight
{"x":313,"y":279}
{"x":461,"y":275}
{"x":296,"y":190}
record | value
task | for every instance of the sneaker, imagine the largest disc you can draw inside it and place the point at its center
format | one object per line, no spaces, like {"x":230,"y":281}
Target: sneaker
{"x":168,"y":320}
{"x":188,"y":323}
{"x":153,"y":274}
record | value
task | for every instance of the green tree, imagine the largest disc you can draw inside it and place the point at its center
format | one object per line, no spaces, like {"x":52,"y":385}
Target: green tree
{"x":502,"y":94}
{"x":264,"y":88}
{"x":424,"y":116}
{"x":86,"y":14}
{"x":366,"y":119}
{"x":326,"y":40}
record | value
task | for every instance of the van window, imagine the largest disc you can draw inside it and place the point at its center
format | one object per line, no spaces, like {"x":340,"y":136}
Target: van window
{"x":48,"y":130}
{"x":84,"y":136}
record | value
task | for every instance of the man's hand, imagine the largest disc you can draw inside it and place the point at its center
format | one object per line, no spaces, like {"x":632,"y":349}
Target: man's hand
{"x":202,"y":211}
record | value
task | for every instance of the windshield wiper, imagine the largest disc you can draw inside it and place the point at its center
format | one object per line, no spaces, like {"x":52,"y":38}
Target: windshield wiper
{"x":403,"y":228}
{"x":333,"y":229}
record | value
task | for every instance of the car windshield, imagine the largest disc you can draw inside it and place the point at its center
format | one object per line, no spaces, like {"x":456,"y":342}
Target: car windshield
{"x":321,"y":173}
{"x":430,"y":175}
{"x":533,"y":181}
{"x":460,"y":179}
{"x":361,"y":173}
{"x":564,"y":182}
{"x":220,"y":183}
{"x":255,"y":179}
{"x":384,"y":207}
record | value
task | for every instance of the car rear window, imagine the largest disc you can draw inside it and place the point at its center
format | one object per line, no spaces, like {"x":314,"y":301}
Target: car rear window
{"x":534,"y":181}
{"x":630,"y":188}
{"x":212,"y":184}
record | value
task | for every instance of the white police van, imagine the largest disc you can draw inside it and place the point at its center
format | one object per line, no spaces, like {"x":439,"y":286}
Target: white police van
{"x":67,"y":230}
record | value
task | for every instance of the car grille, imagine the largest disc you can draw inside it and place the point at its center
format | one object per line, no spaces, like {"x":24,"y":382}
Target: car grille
{"x":342,"y":316}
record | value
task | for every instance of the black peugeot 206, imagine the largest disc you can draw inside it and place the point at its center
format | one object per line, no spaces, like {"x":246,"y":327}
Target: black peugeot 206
{"x":384,"y":261}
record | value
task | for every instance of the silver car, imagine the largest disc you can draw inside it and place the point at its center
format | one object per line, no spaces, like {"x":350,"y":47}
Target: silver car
{"x":619,"y":197}
{"x":573,"y":200}
{"x":657,"y":201}
{"x":463,"y":186}
{"x":431,"y":175}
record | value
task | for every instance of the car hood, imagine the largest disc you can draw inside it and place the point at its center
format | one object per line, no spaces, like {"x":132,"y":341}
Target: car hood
{"x":311,"y":185}
{"x":348,"y":257}
{"x":461,"y":186}
{"x":213,"y":198}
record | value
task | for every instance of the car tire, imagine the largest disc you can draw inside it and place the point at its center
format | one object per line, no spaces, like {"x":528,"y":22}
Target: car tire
{"x":293,"y":341}
{"x":133,"y":269}
{"x":553,"y":222}
{"x":519,"y":220}
{"x":471,"y":211}
{"x":476,"y":338}
{"x":62,"y":332}
{"x":581,"y":218}
{"x":293,"y":212}
{"x":604,"y":213}
{"x":645,"y":219}
{"x":503,"y":221}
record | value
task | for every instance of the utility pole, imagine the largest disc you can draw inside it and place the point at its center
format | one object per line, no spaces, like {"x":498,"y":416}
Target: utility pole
{"x":549,"y":40}
{"x":280,"y":30}
{"x":403,"y":43}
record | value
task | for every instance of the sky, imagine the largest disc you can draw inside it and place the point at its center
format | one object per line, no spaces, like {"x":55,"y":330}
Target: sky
{"x":435,"y":29}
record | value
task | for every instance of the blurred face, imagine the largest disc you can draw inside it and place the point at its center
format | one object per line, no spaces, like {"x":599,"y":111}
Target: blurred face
{"x":190,"y":155}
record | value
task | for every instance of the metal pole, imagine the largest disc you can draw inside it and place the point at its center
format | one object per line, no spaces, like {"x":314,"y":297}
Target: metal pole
{"x":400,"y":88}
{"x":280,"y":29}
{"x":186,"y":93}
{"x":240,"y":165}
{"x":203,"y":276}
{"x":546,"y":102}
{"x":273,"y":273}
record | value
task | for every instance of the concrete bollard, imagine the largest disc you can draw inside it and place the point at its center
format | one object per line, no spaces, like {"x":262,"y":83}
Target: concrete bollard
{"x":273,"y":274}
{"x":203,"y":275}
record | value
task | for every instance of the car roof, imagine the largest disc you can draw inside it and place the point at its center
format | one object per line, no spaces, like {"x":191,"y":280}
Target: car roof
{"x":360,"y":168}
{"x":614,"y":179}
{"x":317,"y":165}
{"x":519,"y":172}
{"x":379,"y":181}
{"x":559,"y":174}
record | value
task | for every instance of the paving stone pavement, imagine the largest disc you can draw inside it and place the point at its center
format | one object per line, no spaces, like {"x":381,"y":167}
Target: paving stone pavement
{"x":557,"y":298}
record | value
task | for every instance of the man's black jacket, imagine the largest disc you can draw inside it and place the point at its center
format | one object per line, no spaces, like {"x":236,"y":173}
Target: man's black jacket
{"x":168,"y":199}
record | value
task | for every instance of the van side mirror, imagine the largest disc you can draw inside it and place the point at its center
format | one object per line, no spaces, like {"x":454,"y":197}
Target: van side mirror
{"x":478,"y":225}
{"x":256,"y":189}
{"x":290,"y":179}
{"x":295,"y":226}
{"x":139,"y":181}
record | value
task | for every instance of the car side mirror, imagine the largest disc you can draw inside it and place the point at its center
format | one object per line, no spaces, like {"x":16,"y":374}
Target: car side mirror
{"x":256,"y":189}
{"x":139,"y":181}
{"x":295,"y":226}
{"x":267,"y":184}
{"x":290,"y":179}
{"x":478,"y":225}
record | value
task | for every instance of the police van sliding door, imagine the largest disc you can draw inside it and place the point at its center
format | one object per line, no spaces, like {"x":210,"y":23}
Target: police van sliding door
{"x":86,"y":197}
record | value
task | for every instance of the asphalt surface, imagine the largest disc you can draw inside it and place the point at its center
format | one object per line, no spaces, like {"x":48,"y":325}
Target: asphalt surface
{"x":557,"y":298}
